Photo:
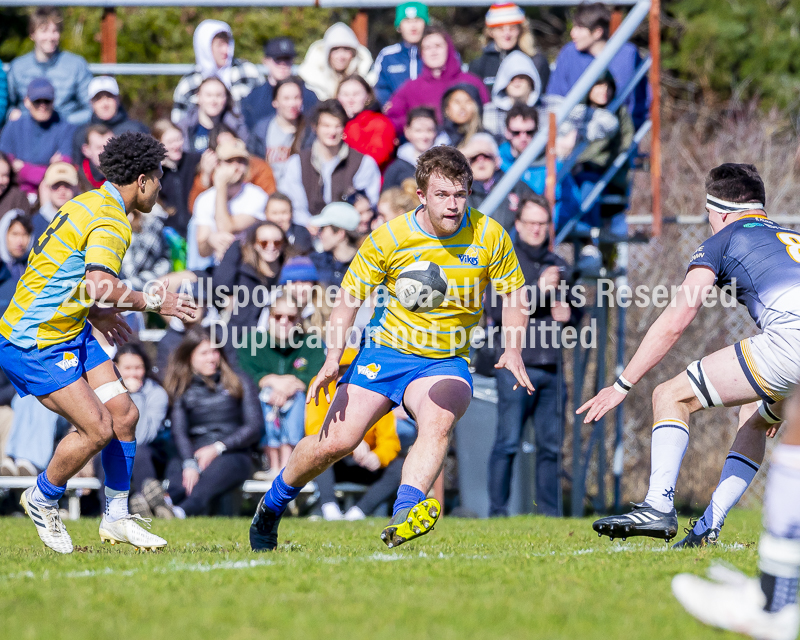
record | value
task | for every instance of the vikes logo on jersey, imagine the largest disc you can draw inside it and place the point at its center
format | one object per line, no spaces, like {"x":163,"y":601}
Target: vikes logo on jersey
{"x":470,"y":257}
{"x":370,"y":370}
{"x":70,"y":361}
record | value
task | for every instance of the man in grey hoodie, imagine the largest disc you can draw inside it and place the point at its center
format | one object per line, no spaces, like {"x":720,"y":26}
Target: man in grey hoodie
{"x":213,"y":52}
{"x":67,"y":72}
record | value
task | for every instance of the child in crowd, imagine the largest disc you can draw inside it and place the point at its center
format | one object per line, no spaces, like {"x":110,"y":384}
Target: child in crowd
{"x":420,"y":131}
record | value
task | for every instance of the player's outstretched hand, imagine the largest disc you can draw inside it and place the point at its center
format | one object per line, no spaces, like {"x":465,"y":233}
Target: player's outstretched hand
{"x":327,"y":374}
{"x":112,"y":325}
{"x":512,"y":360}
{"x":601,"y":404}
{"x":177,"y":305}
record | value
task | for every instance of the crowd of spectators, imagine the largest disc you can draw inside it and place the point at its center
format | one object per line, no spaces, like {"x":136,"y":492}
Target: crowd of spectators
{"x":274,"y":180}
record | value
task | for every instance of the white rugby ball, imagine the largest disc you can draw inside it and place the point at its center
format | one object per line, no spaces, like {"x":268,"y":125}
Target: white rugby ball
{"x":421,"y":286}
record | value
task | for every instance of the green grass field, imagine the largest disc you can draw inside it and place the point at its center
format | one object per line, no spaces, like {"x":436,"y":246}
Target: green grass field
{"x":525,"y":577}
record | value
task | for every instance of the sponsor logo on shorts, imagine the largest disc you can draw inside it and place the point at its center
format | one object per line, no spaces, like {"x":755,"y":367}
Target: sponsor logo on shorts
{"x":70,"y":361}
{"x":470,"y":257}
{"x":369,"y":370}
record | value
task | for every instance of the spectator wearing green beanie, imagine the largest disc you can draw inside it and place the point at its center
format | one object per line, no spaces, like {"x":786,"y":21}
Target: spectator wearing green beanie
{"x":400,"y":62}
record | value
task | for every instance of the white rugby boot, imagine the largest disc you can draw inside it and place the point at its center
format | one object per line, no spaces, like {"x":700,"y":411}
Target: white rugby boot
{"x":48,"y":523}
{"x":130,"y":530}
{"x":735,"y":602}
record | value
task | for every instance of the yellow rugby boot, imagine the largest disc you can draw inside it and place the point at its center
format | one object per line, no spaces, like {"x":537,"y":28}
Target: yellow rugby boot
{"x":411,"y":523}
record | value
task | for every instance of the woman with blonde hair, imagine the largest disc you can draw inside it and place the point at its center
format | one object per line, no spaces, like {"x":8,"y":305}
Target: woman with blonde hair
{"x":396,"y":201}
{"x":507,"y":30}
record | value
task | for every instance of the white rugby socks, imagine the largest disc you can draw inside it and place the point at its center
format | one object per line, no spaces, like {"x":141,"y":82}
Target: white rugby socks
{"x":116,"y":504}
{"x":667,"y":448}
{"x":779,"y":550}
{"x":737,"y":474}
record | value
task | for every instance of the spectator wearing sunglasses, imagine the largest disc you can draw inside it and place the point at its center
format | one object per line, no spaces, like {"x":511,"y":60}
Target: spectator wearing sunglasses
{"x":484,"y":159}
{"x":282,"y":369}
{"x":251,"y":264}
{"x":522,"y":124}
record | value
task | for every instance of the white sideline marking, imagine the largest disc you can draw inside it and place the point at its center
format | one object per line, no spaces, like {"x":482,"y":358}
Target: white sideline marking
{"x":173,"y":567}
{"x":229,"y":565}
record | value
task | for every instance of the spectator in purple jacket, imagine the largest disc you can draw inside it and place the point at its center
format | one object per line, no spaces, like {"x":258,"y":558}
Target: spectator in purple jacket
{"x":590,"y":32}
{"x":442,"y":71}
{"x":38,"y":138}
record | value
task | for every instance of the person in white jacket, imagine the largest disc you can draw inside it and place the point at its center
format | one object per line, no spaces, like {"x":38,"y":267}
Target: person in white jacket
{"x":337,"y":55}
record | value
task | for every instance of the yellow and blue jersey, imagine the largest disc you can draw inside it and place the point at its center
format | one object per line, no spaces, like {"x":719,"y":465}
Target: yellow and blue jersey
{"x":51,"y":301}
{"x":478,"y":253}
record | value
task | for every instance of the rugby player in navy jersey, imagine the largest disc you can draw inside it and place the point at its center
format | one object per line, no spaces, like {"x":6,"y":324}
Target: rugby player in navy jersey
{"x":762,"y":260}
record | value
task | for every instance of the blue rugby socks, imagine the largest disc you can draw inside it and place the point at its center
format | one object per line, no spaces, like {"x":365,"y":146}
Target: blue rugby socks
{"x":117,"y":458}
{"x":407,"y":497}
{"x":46,"y":492}
{"x":280,"y":495}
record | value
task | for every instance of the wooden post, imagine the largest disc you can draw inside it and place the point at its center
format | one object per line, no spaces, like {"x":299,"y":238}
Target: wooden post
{"x":360,"y":26}
{"x":552,"y":174}
{"x":108,"y":36}
{"x":655,"y":113}
{"x":616,"y":20}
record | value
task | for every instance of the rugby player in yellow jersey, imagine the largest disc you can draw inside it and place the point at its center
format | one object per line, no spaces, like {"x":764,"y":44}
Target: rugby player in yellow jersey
{"x":414,"y":358}
{"x":46,"y":343}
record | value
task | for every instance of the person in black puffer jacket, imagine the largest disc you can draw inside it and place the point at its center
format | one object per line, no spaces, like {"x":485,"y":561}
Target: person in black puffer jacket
{"x":542,"y":269}
{"x":216,"y":420}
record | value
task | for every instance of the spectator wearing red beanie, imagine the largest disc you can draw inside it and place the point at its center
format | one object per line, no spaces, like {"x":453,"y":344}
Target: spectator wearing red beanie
{"x":507,"y":30}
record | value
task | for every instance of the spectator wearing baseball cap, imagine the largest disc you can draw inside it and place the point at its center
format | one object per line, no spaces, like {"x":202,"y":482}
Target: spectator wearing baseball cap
{"x":59,"y":186}
{"x":230,"y":206}
{"x":400,"y":62}
{"x":107,"y":109}
{"x":339,"y":241}
{"x":67,"y":72}
{"x":339,"y":54}
{"x":38,"y":138}
{"x":279,"y":57}
{"x":507,"y":30}
{"x":484,"y":158}
{"x":258,"y":173}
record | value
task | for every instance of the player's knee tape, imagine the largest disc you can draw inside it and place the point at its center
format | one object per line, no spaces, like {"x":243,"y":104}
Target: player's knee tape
{"x":702,"y":387}
{"x":766,"y":412}
{"x":110,"y":390}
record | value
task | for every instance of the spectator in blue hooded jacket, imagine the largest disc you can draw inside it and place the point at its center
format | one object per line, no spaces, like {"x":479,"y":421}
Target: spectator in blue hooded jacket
{"x":67,"y":72}
{"x":589,"y":33}
{"x":400,"y":62}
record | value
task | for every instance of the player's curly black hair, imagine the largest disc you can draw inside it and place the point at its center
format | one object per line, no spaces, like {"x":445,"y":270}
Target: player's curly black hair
{"x":129,"y":155}
{"x":736,"y":183}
